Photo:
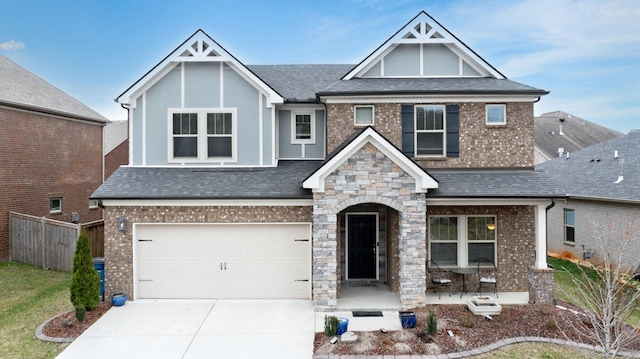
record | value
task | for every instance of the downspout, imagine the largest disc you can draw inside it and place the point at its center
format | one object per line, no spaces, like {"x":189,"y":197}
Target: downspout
{"x":546,"y":239}
{"x":326,"y":123}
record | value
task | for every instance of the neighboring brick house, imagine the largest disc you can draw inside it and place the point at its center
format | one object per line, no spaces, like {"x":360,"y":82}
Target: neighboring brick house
{"x":116,"y":146}
{"x":558,"y":133}
{"x":51,"y":151}
{"x":291,"y":181}
{"x":602,"y":183}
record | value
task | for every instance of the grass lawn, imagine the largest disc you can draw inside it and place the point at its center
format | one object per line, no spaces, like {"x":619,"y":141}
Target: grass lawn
{"x":565,"y":271}
{"x":30,"y":296}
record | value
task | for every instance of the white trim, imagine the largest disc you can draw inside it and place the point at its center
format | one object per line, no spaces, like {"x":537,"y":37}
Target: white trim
{"x":423,"y":180}
{"x":312,"y":119}
{"x":144,"y":129}
{"x":504,"y":114}
{"x":202,"y":135}
{"x":488,"y":201}
{"x":174,"y":57}
{"x":260,"y":130}
{"x":275,"y":136}
{"x":448,"y":38}
{"x":541,"y":237}
{"x":207,"y":202}
{"x":221,"y":84}
{"x":377,"y":243}
{"x":182,"y":85}
{"x":355,"y":115}
{"x":426,"y":99}
{"x":130,"y":129}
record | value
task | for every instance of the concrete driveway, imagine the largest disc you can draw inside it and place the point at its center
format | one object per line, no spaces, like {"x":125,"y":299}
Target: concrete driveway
{"x":200,"y":329}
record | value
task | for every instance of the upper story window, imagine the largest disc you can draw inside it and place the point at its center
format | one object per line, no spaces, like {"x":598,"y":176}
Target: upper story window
{"x":570,"y":225}
{"x":363,"y":115}
{"x":496,"y":114}
{"x":303,"y":127}
{"x":55,"y":205}
{"x":202,"y":135}
{"x":430,"y":135}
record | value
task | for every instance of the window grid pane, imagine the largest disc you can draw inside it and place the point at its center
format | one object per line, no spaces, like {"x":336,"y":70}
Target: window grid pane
{"x":364,"y":115}
{"x":303,"y":127}
{"x":569,"y":225}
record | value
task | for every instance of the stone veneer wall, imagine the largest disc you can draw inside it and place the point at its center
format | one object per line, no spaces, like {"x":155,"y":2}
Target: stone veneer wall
{"x":541,"y":285}
{"x":516,"y":242}
{"x":369,"y":177}
{"x":118,"y":247}
{"x":393,"y":278}
{"x":507,"y":146}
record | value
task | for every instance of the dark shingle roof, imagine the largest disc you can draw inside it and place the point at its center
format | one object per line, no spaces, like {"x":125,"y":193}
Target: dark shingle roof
{"x":493,"y":183}
{"x":461,"y":85}
{"x":577,"y":133}
{"x":300,"y":82}
{"x":591,"y":172}
{"x":21,"y":88}
{"x":282,"y":182}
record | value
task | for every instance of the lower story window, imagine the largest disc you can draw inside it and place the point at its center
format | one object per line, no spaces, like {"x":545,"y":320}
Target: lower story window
{"x":570,"y":225}
{"x":55,"y":205}
{"x":459,"y":241}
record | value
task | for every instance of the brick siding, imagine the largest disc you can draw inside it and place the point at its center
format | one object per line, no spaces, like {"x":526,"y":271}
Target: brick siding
{"x":117,"y":157}
{"x":42,"y":157}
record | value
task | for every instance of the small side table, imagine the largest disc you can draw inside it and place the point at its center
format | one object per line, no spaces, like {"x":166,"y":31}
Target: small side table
{"x":464,"y":272}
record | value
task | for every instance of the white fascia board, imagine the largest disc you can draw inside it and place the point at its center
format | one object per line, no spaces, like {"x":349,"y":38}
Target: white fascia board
{"x":175,"y":58}
{"x":397,"y":38}
{"x":423,"y":181}
{"x":207,"y":202}
{"x":427,"y":98}
{"x":487,"y":201}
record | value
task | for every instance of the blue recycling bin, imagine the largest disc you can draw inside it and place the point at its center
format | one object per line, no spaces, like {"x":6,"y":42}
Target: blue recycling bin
{"x":98,"y":264}
{"x":343,"y":326}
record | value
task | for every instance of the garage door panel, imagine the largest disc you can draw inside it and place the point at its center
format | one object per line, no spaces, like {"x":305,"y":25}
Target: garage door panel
{"x":223,"y":261}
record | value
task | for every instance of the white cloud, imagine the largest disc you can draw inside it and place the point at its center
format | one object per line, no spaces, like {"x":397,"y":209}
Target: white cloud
{"x":11,"y":45}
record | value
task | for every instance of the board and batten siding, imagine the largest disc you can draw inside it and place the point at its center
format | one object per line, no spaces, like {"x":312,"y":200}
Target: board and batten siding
{"x":208,"y":85}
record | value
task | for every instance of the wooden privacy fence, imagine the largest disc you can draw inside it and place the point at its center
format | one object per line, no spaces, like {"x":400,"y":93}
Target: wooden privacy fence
{"x":48,"y":243}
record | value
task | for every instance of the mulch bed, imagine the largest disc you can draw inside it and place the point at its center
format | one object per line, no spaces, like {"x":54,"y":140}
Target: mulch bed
{"x":469,"y":331}
{"x":67,"y":326}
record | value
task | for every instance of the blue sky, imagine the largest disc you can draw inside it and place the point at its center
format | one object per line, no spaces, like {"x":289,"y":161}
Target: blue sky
{"x":586,"y":52}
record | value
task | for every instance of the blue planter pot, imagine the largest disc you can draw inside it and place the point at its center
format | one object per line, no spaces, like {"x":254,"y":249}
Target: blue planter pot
{"x":118,"y":299}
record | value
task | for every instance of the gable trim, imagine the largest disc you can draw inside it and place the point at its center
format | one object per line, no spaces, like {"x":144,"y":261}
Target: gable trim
{"x":423,"y":180}
{"x":448,"y":39}
{"x":214,"y":53}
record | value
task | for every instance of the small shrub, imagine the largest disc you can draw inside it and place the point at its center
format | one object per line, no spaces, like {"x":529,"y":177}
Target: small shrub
{"x":551,"y":324}
{"x":331,"y":325}
{"x":85,"y":279}
{"x":432,"y":323}
{"x":468,"y":320}
{"x":80,"y":312}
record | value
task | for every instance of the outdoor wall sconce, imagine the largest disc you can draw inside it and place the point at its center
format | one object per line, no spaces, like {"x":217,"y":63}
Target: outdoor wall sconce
{"x":122,"y":225}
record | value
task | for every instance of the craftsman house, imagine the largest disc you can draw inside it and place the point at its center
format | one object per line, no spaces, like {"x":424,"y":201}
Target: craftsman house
{"x":294,"y":181}
{"x":50,"y":150}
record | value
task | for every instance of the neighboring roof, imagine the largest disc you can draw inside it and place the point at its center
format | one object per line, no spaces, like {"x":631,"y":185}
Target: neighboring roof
{"x":300,"y":82}
{"x":199,"y":47}
{"x":424,"y":29}
{"x":594,"y":172}
{"x":21,"y":88}
{"x":282,"y":182}
{"x":423,"y":180}
{"x":114,"y":133}
{"x":438,"y":85}
{"x":476,"y":183}
{"x":559,"y":129}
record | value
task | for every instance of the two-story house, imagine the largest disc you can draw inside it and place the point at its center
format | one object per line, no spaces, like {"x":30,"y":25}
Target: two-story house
{"x":293,"y":181}
{"x":50,"y":152}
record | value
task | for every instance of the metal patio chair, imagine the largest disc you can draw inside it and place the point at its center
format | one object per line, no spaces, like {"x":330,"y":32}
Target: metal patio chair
{"x":487,"y":275}
{"x":439,"y":277}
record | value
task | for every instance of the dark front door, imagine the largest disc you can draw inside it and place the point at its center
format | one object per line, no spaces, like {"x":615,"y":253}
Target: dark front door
{"x":361,"y":232}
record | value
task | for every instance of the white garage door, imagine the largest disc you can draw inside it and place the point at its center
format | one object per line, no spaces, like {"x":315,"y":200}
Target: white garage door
{"x":223,"y":261}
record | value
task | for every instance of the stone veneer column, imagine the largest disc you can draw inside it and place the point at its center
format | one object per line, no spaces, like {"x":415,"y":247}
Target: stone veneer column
{"x":368,"y":176}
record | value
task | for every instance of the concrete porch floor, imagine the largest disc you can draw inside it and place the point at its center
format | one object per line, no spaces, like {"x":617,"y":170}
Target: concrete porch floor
{"x":377,"y":296}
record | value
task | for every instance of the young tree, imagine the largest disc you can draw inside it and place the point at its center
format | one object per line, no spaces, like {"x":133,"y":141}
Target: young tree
{"x":605,"y":292}
{"x":85,"y":280}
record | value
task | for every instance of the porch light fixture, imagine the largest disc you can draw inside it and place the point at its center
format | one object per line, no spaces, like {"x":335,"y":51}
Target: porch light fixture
{"x":491,"y":226}
{"x":122,"y":225}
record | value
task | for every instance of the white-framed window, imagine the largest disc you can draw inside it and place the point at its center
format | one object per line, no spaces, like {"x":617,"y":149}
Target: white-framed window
{"x":496,"y":114}
{"x":570,"y":225}
{"x":430,"y":135}
{"x":202,"y":134}
{"x":363,"y":115}
{"x":459,"y":241}
{"x":303,"y":127}
{"x":55,"y":205}
{"x":93,"y":203}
